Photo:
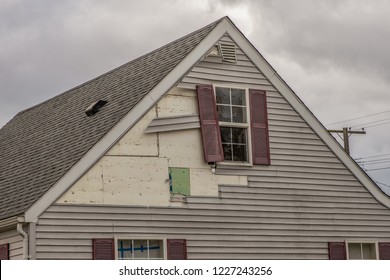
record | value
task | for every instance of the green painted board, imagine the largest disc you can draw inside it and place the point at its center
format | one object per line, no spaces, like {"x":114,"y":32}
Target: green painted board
{"x":179,"y":180}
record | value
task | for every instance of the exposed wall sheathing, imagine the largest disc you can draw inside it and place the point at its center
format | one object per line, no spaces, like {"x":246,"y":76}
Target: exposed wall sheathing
{"x":288,"y":210}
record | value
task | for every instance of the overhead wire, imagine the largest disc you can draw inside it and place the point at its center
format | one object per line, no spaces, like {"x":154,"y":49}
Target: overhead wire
{"x":362,"y":117}
{"x":373,"y":122}
{"x":372,"y":156}
{"x":375,"y":169}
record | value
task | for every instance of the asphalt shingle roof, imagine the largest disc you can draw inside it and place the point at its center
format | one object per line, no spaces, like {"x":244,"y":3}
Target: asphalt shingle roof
{"x":39,"y":145}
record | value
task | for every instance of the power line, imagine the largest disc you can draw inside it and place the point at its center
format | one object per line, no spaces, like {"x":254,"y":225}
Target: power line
{"x":382,"y":184}
{"x":370,"y":122}
{"x":373,"y":156}
{"x":372,"y":163}
{"x":360,"y":117}
{"x":374,"y":160}
{"x":375,"y":169}
{"x":377,"y":124}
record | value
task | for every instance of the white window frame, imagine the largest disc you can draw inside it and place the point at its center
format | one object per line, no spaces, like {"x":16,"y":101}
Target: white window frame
{"x":246,"y":125}
{"x":362,"y":242}
{"x":118,"y":238}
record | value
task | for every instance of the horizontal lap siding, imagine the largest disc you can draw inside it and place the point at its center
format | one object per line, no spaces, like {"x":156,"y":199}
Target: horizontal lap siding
{"x":219,"y":228}
{"x":15,"y":241}
{"x":289,"y":210}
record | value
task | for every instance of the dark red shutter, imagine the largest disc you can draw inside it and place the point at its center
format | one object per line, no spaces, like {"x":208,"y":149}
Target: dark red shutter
{"x":384,"y":250}
{"x":177,"y":249}
{"x":259,"y":126}
{"x":211,"y":136}
{"x":4,"y":252}
{"x":103,"y":249}
{"x":337,"y":251}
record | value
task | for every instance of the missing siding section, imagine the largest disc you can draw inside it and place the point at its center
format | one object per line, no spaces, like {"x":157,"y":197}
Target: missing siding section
{"x":228,"y":52}
{"x":215,"y":51}
{"x":179,"y":180}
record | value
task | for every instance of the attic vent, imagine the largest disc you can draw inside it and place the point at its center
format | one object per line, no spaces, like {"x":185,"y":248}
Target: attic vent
{"x":94,"y":107}
{"x":228,"y":52}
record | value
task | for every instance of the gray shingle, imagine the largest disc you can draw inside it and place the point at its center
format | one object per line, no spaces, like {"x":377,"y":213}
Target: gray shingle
{"x":40,"y":144}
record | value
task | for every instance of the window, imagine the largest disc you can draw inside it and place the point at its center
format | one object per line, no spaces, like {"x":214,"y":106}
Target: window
{"x":341,"y":250}
{"x":140,"y":249}
{"x":362,"y":251}
{"x":233,"y":123}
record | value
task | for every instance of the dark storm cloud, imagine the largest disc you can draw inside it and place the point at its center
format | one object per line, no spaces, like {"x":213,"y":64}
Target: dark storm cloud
{"x":333,"y":53}
{"x":50,"y":46}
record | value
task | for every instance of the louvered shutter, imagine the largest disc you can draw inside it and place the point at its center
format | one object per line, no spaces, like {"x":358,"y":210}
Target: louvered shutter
{"x":103,"y":249}
{"x":211,"y":136}
{"x":384,"y":250}
{"x":337,"y":251}
{"x":259,"y":127}
{"x":177,"y":249}
{"x":4,"y":252}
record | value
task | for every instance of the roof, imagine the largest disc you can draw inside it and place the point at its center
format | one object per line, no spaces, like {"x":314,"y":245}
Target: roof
{"x":40,"y":144}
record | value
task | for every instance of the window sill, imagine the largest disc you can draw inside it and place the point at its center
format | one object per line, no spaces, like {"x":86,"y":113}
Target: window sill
{"x":225,"y":163}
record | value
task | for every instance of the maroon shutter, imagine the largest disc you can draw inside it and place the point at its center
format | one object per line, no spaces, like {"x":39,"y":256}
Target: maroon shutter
{"x":384,"y":250}
{"x":211,"y":136}
{"x":103,"y":249}
{"x":337,"y":251}
{"x":4,"y":252}
{"x":259,"y":126}
{"x":177,"y":249}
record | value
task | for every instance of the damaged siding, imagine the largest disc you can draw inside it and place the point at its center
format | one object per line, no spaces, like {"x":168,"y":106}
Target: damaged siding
{"x":290,"y":209}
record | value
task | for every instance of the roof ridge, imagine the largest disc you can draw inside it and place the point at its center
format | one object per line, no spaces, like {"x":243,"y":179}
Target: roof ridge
{"x":117,"y":68}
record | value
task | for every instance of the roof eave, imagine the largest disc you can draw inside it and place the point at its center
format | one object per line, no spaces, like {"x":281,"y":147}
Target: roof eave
{"x":9,"y":223}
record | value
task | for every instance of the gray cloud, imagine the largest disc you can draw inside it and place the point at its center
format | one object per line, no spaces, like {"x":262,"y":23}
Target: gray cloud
{"x":334,"y":54}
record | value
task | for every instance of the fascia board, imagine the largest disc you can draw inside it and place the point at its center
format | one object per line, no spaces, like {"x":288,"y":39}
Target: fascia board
{"x":124,"y":125}
{"x":305,"y":113}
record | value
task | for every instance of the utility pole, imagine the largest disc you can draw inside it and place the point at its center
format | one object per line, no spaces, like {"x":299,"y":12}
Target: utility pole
{"x":346,"y":133}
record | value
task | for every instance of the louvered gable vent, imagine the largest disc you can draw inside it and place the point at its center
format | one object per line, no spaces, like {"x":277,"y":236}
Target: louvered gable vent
{"x":228,"y":51}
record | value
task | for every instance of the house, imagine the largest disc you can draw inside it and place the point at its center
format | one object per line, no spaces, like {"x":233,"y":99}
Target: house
{"x":197,"y":150}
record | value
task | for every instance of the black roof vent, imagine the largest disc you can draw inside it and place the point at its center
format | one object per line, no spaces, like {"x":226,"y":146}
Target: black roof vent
{"x":94,"y":107}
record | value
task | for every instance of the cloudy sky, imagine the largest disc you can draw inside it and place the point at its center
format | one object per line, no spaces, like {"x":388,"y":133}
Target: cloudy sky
{"x":334,"y":54}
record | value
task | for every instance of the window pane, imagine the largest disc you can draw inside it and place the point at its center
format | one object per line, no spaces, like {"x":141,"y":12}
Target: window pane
{"x":369,"y":251}
{"x":226,"y":135}
{"x":224,"y":113}
{"x":239,"y":135}
{"x":125,"y":249}
{"x":156,"y":249}
{"x":354,"y":251}
{"x":222,"y":95}
{"x":227,"y":151}
{"x":239,"y":153}
{"x":239,"y":114}
{"x":238,"y":96}
{"x":140,"y":249}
